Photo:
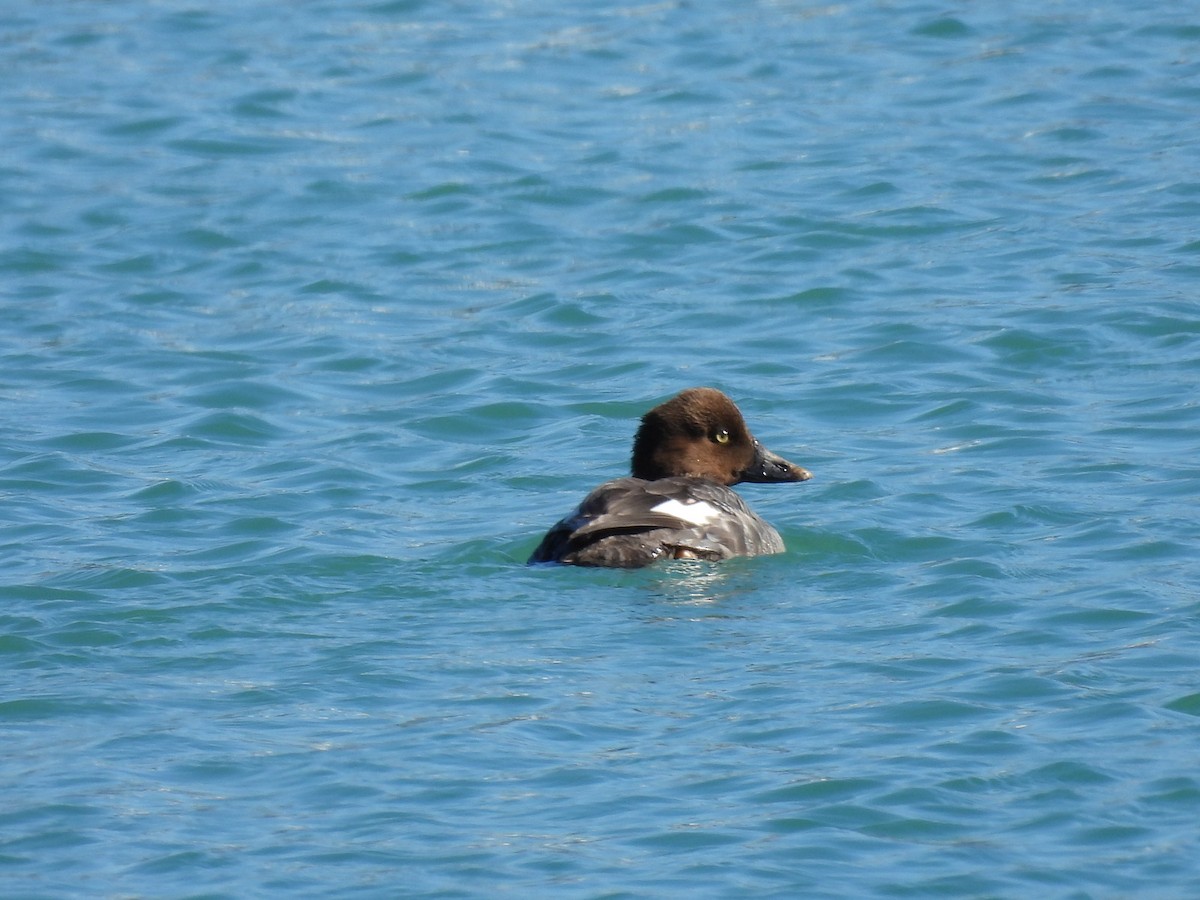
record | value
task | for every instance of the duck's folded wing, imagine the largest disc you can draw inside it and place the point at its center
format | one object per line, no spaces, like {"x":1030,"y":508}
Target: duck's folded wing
{"x":622,"y":513}
{"x":623,"y":506}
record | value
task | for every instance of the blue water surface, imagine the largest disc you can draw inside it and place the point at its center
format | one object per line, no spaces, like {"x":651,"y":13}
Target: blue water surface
{"x":317,"y":315}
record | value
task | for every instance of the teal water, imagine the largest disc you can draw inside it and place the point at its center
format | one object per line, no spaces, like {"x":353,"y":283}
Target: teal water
{"x":318,"y":315}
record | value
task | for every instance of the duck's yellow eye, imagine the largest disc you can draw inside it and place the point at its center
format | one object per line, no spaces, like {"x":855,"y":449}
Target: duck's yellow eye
{"x":721,"y":437}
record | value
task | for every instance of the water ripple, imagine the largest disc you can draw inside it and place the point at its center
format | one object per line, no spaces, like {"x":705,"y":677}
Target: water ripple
{"x":317,"y":321}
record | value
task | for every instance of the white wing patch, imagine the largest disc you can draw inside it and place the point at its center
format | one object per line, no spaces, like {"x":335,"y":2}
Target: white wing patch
{"x":698,"y":512}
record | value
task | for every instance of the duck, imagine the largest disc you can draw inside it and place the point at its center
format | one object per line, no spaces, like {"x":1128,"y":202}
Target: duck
{"x":678,"y":501}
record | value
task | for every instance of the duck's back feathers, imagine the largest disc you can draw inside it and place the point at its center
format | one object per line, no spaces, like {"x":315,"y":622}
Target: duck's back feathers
{"x":631,"y":522}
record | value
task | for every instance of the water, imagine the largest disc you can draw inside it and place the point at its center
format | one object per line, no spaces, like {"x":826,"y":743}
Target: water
{"x":318,"y":315}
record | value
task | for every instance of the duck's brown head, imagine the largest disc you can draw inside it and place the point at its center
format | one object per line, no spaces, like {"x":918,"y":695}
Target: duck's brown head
{"x":701,"y":433}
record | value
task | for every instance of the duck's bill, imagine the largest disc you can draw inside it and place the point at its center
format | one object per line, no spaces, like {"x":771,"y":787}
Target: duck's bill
{"x":770,"y":468}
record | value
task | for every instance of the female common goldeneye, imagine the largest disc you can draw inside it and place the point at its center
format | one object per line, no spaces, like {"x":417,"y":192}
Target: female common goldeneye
{"x":678,"y":504}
